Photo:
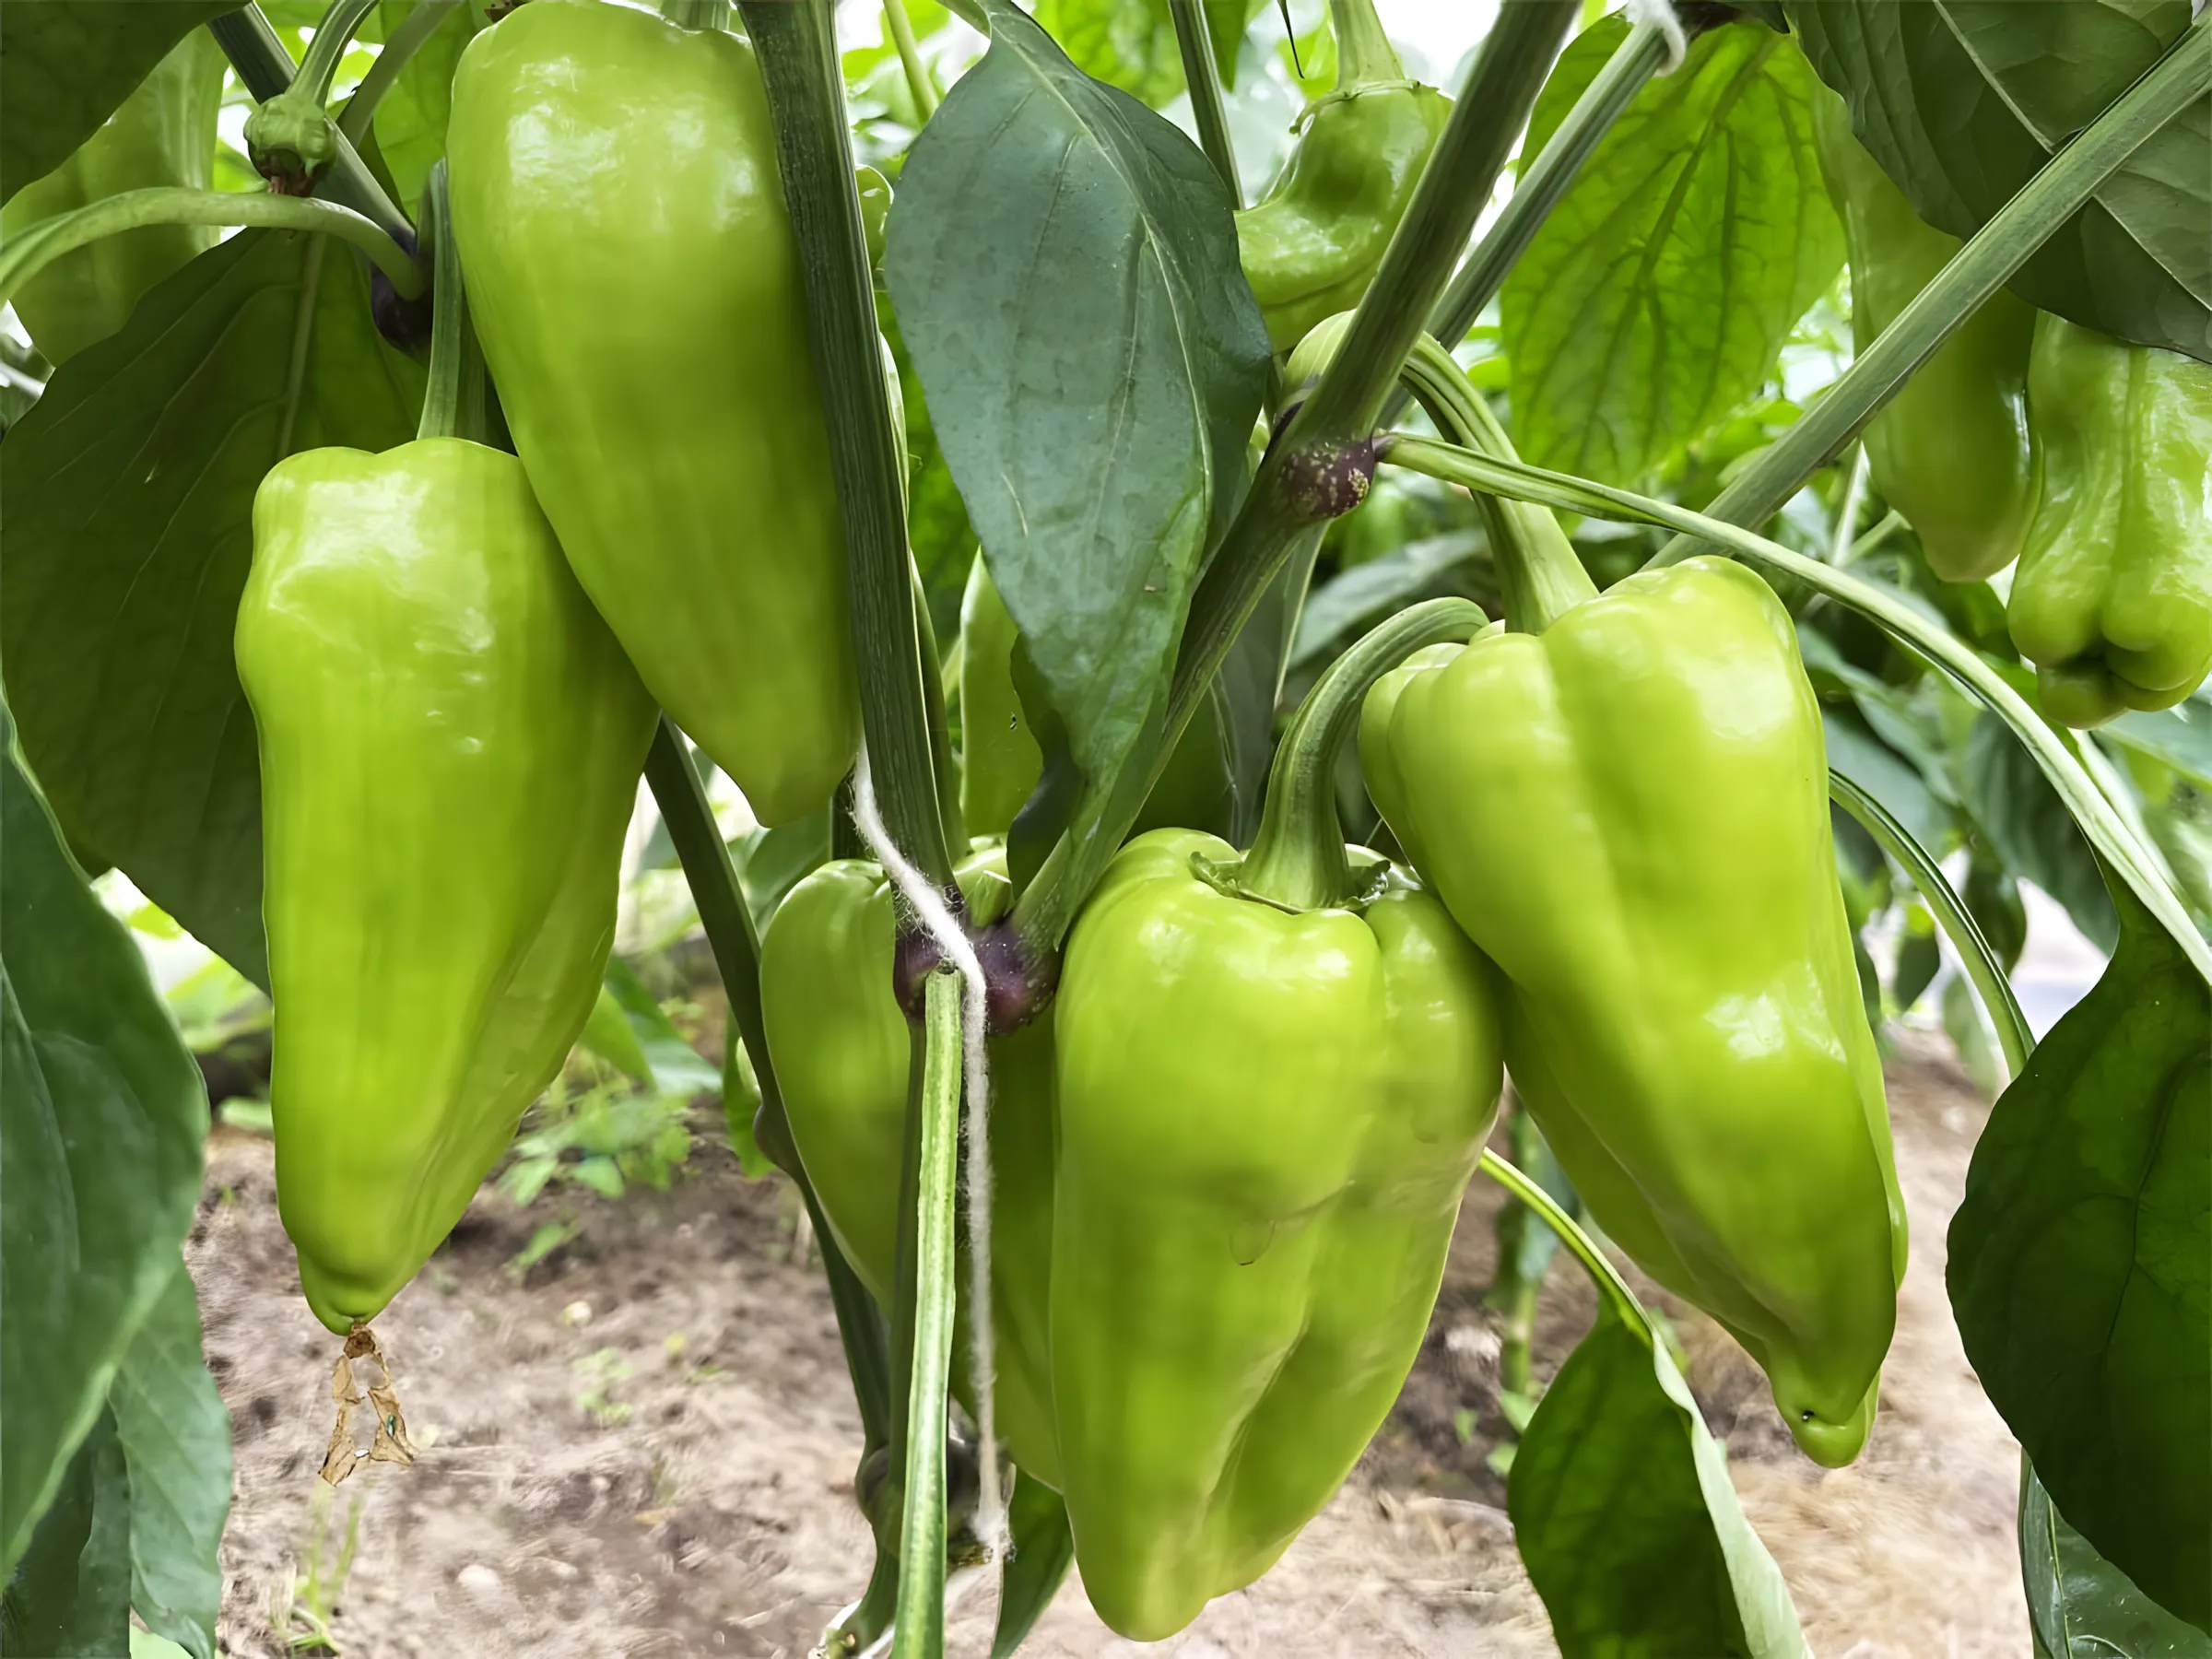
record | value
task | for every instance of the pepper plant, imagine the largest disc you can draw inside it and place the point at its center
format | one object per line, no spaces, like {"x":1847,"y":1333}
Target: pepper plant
{"x":1024,"y":501}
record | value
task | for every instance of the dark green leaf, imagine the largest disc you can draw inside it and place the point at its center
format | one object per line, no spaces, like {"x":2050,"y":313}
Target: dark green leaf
{"x":1352,"y":598}
{"x":1962,"y":102}
{"x":2079,"y":1270}
{"x":102,"y":1118}
{"x":176,"y":1440}
{"x":1878,"y":770}
{"x":1918,"y":959}
{"x":2181,"y":737}
{"x":1061,"y":257}
{"x":1658,"y":294}
{"x":1043,"y":1546}
{"x":65,"y":65}
{"x":677,"y":1069}
{"x":2030,"y":829}
{"x":1992,"y":899}
{"x":2079,"y":1605}
{"x":70,"y":1596}
{"x":1624,"y":1518}
{"x":937,"y":531}
{"x":128,"y":496}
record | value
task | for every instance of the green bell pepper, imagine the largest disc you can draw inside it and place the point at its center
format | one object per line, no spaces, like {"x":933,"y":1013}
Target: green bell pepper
{"x":163,"y":133}
{"x":635,"y":281}
{"x":2112,"y":601}
{"x":842,"y":1051}
{"x":450,"y":744}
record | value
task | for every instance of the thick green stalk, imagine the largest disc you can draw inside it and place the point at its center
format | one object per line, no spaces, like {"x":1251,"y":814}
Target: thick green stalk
{"x":797,"y":49}
{"x":1926,"y":639}
{"x":332,"y":35}
{"x":29,"y":250}
{"x":264,"y":68}
{"x":1958,"y":923}
{"x":919,"y":81}
{"x":1977,"y":271}
{"x":697,"y":14}
{"x":920,"y":1615}
{"x":453,"y":403}
{"x":1202,"y":79}
{"x":1296,"y":859}
{"x":1319,"y":468}
{"x":400,"y":48}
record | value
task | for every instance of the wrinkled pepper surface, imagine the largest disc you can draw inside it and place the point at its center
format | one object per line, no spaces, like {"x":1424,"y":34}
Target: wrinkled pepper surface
{"x":843,"y":1048}
{"x":1950,"y":450}
{"x":450,"y":743}
{"x":163,"y":133}
{"x":2112,"y":601}
{"x":635,"y":282}
{"x":1628,"y":813}
{"x":1313,"y":244}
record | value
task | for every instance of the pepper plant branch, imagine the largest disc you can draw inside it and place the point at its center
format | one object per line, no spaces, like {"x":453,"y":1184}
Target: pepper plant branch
{"x":453,"y":403}
{"x":31,"y":249}
{"x":2107,"y":832}
{"x":400,"y":48}
{"x":919,"y":81}
{"x":1958,"y":924}
{"x":697,"y":14}
{"x":1602,"y":1272}
{"x":291,"y":139}
{"x":1988,"y":260}
{"x":1319,"y":468}
{"x":328,"y":45}
{"x":1298,"y":858}
{"x":920,"y":1627}
{"x":797,"y":52}
{"x":264,"y":68}
{"x":1202,"y":79}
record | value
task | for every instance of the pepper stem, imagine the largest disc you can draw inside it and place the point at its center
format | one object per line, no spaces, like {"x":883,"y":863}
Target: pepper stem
{"x":291,"y":139}
{"x":1537,"y":569}
{"x":1364,"y":54}
{"x":1297,"y":860}
{"x":453,"y":404}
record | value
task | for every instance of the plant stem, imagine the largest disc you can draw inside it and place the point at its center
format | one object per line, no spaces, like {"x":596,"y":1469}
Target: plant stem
{"x":1327,"y":431}
{"x":1298,"y":860}
{"x":697,"y":14}
{"x":331,"y":37}
{"x":797,"y":52}
{"x":453,"y":403}
{"x":1364,"y":55}
{"x":1974,"y":954}
{"x":1925,"y":639}
{"x":921,"y":1616}
{"x":919,"y":81}
{"x":264,"y":68}
{"x":1202,"y":79}
{"x":400,"y":48}
{"x":1602,"y":1272}
{"x":2000,"y":248}
{"x":31,"y":249}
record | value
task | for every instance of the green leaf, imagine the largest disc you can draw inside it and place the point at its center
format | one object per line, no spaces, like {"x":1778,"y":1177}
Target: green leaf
{"x":740,"y":1100}
{"x":1131,"y":44}
{"x":1875,"y":768}
{"x":1043,"y":1546}
{"x":1352,"y":598}
{"x":2079,"y":1605}
{"x":771,"y":862}
{"x":101,"y":1120}
{"x":128,"y":496}
{"x":2181,"y":737}
{"x":607,"y":1034}
{"x":66,"y":64}
{"x":70,"y":1594}
{"x":176,"y":1441}
{"x":1624,"y":1518}
{"x":1965,"y":1023}
{"x":2080,"y":1271}
{"x":1057,"y":255}
{"x":1658,"y":294}
{"x":410,"y":123}
{"x":1962,"y":102}
{"x":676,"y":1068}
{"x":601,"y":1174}
{"x":2030,"y":828}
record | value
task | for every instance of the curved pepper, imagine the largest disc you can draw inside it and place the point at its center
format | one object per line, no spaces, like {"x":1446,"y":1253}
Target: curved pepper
{"x":1313,"y":244}
{"x":2112,"y":601}
{"x":635,"y":282}
{"x":450,"y":742}
{"x":1950,"y":450}
{"x":842,"y":1050}
{"x":163,"y":133}
{"x":1628,"y":813}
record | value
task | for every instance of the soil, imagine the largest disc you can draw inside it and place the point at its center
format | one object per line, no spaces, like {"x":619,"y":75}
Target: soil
{"x":644,"y":1445}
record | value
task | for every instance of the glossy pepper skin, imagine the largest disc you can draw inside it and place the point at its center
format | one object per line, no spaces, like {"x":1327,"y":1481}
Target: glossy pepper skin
{"x":1266,"y":1119}
{"x":451,"y":741}
{"x":1312,"y":246}
{"x":1628,"y":813}
{"x":842,"y":1049}
{"x":163,"y":133}
{"x":2112,"y":601}
{"x":1950,"y":450}
{"x":636,"y":286}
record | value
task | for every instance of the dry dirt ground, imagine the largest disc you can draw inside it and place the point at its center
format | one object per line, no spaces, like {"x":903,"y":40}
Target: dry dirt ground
{"x":644,"y":1445}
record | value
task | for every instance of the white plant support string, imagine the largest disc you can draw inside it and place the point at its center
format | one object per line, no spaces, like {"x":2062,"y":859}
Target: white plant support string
{"x":1660,"y":14}
{"x":944,"y":927}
